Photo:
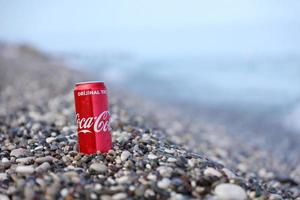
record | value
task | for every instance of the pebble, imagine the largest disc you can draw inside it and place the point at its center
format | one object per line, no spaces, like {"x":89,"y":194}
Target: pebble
{"x":229,"y":173}
{"x":149,"y":193}
{"x":3,"y":176}
{"x":26,"y":160}
{"x":44,"y":159}
{"x":25,"y":169}
{"x":43,"y":167}
{"x":164,"y":183}
{"x":152,"y":177}
{"x":50,"y":139}
{"x":227,"y":191}
{"x":165,"y":171}
{"x":106,"y":197}
{"x":20,"y":152}
{"x":4,"y":197}
{"x":212,"y":172}
{"x":170,"y":151}
{"x":152,"y":156}
{"x":123,"y":180}
{"x":38,"y":148}
{"x":98,"y":167}
{"x":275,"y":197}
{"x":119,"y":196}
{"x":64,"y":192}
{"x":4,"y":160}
{"x":125,"y":155}
{"x":172,"y":160}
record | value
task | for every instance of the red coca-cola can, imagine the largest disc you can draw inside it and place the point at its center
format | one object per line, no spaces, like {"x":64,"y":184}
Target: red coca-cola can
{"x":92,"y":117}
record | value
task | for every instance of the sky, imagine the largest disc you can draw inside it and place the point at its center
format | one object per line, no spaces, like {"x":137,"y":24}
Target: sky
{"x":155,"y":28}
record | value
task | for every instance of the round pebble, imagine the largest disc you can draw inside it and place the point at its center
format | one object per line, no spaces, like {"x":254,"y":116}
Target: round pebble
{"x":165,"y":171}
{"x":98,"y":168}
{"x":125,"y":155}
{"x":164,"y":183}
{"x":227,"y":191}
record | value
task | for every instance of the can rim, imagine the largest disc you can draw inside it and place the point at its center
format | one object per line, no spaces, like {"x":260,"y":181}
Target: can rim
{"x":89,"y":82}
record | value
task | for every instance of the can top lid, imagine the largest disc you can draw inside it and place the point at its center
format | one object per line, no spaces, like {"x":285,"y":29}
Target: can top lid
{"x":89,"y":82}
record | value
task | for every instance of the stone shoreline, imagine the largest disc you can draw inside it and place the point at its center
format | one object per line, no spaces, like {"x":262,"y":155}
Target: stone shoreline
{"x":150,"y":158}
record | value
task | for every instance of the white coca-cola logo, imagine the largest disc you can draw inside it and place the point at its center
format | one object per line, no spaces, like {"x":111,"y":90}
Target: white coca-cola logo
{"x":99,"y":123}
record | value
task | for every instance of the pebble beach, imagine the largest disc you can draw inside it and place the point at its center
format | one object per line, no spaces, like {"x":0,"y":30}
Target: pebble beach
{"x":157,"y":153}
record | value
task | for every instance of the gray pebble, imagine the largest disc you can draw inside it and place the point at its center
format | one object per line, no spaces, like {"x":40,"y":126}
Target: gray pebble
{"x":26,"y":160}
{"x":98,"y":168}
{"x":44,"y":159}
{"x":229,"y":173}
{"x":43,"y":167}
{"x":20,"y":152}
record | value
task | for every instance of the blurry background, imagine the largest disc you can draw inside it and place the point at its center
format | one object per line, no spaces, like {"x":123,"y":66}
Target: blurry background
{"x":235,"y":62}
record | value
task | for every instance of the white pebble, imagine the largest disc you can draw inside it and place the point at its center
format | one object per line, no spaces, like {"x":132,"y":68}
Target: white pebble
{"x":125,"y":155}
{"x":98,"y":167}
{"x":212,"y":172}
{"x":4,"y":160}
{"x":151,"y":177}
{"x":172,"y":160}
{"x":93,"y":196}
{"x":50,"y":139}
{"x":192,"y":162}
{"x":227,"y":191}
{"x":170,"y":151}
{"x":165,"y":171}
{"x":164,"y":183}
{"x":24,"y":169}
{"x":149,"y":193}
{"x":38,"y":148}
{"x":122,"y":180}
{"x":3,"y":197}
{"x":177,"y":196}
{"x":119,"y":196}
{"x":64,"y":192}
{"x":152,"y":156}
{"x":3,"y":176}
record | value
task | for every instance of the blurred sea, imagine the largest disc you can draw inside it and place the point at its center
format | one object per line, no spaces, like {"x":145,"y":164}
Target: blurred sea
{"x":253,"y":98}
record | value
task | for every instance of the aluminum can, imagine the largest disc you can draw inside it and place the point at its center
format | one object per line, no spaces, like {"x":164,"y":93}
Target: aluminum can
{"x":92,"y":117}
